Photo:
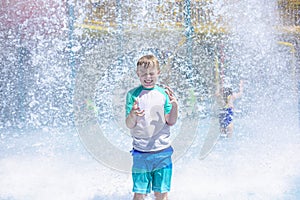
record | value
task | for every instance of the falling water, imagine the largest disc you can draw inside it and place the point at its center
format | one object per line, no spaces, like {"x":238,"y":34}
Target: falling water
{"x":65,"y":71}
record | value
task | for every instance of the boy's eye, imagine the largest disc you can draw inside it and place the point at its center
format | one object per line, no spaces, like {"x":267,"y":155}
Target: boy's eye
{"x":151,"y":74}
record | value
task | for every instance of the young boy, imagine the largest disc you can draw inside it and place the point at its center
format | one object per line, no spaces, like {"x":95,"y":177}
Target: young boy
{"x":226,"y":114}
{"x":150,"y":111}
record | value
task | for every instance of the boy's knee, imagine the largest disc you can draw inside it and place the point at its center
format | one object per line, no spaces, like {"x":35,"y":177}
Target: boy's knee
{"x":161,"y":196}
{"x":138,"y":196}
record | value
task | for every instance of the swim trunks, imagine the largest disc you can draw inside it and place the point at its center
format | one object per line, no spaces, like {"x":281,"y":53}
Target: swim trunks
{"x":225,"y":117}
{"x":152,"y":170}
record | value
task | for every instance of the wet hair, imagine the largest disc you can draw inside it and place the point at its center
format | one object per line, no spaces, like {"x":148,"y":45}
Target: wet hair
{"x":148,"y":61}
{"x":226,"y":93}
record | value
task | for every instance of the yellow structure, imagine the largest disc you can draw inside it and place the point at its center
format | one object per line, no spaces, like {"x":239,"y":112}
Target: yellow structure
{"x":168,"y":15}
{"x":106,"y":15}
{"x":289,"y":11}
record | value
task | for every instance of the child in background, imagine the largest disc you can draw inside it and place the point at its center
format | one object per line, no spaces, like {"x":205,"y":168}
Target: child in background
{"x":226,"y":98}
{"x":150,"y":111}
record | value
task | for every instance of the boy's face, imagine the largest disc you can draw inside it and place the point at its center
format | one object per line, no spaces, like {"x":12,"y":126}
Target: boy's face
{"x":148,"y":76}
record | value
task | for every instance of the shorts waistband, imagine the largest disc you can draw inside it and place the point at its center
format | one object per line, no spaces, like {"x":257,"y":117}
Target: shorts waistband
{"x":168,"y":149}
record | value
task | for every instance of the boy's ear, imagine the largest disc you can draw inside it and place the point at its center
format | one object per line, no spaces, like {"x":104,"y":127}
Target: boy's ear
{"x":158,"y":72}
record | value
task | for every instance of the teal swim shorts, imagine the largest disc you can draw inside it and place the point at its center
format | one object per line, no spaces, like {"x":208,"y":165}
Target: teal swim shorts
{"x":152,"y":171}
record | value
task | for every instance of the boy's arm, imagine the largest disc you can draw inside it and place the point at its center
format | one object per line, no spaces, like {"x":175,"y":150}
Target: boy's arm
{"x":241,"y":90}
{"x":171,"y":118}
{"x":131,"y":119}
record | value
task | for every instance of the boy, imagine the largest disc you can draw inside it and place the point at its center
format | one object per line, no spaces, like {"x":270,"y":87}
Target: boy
{"x":226,"y":114}
{"x":150,"y":111}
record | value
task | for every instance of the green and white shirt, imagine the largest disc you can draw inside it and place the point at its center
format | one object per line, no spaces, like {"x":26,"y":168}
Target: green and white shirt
{"x":151,"y":132}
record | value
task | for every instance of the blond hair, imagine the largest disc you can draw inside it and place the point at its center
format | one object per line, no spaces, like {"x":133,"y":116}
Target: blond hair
{"x":148,"y":61}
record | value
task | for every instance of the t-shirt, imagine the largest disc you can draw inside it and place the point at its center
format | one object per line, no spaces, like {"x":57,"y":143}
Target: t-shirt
{"x":151,"y":132}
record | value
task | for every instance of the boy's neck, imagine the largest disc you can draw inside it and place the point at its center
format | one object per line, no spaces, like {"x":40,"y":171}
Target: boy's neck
{"x":148,"y":88}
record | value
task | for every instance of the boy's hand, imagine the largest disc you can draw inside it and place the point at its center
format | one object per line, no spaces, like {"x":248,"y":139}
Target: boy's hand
{"x":171,"y":95}
{"x":136,"y":110}
{"x":171,"y":118}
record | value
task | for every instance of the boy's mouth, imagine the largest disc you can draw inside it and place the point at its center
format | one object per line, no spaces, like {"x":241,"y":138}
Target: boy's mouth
{"x":148,"y":82}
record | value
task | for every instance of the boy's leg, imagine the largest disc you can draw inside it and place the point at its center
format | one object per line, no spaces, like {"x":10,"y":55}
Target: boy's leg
{"x":162,"y":174}
{"x":161,"y":196}
{"x":229,"y":130}
{"x":138,"y":196}
{"x":141,"y":176}
{"x":162,"y":182}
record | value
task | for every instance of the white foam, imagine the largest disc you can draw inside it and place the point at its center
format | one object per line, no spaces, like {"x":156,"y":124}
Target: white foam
{"x":238,"y":168}
{"x":35,"y":177}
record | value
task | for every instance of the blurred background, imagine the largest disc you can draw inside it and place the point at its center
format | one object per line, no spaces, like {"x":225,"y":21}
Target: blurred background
{"x":68,"y":64}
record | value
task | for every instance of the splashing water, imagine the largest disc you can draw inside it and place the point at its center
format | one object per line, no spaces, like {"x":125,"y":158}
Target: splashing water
{"x":64,"y":80}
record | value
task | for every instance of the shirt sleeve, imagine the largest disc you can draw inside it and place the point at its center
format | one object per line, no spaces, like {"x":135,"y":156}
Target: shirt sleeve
{"x":130,"y":98}
{"x":168,"y":105}
{"x":129,"y":103}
